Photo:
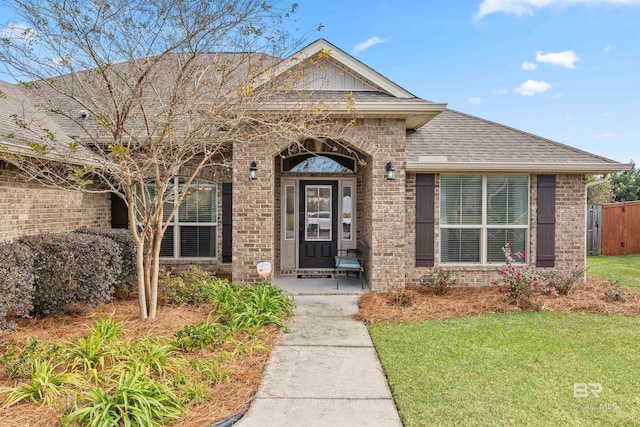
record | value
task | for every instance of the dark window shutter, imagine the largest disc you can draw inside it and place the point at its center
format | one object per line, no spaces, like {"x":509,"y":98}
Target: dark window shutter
{"x":425,"y":219}
{"x":119,"y":212}
{"x":227,"y":222}
{"x":546,"y":240}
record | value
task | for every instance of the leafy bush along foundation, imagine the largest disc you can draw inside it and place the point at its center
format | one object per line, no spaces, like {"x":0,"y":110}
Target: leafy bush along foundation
{"x":104,"y":379}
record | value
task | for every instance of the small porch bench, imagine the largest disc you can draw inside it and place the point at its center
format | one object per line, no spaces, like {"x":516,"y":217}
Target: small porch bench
{"x":351,"y":261}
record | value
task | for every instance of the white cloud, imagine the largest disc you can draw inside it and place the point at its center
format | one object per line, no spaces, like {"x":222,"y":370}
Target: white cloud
{"x":360,"y":47}
{"x":19,"y":32}
{"x":475,"y":100}
{"x":528,"y":7}
{"x":61,"y":60}
{"x":567,"y":59}
{"x":608,"y":47}
{"x":532,"y":87}
{"x":529,"y":66}
{"x":502,"y":91}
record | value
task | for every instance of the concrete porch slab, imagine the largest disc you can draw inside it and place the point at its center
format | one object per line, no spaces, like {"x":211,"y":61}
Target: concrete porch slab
{"x":321,"y":306}
{"x":348,"y":285}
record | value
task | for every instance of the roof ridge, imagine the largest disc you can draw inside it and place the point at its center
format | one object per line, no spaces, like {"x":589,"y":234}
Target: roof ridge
{"x":532,"y":135}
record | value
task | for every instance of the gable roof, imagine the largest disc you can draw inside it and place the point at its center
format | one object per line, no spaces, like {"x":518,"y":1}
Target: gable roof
{"x":374,"y":94}
{"x":336,"y":54}
{"x":458,"y":142}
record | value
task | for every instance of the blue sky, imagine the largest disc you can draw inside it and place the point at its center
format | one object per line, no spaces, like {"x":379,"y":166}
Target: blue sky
{"x":567,"y":70}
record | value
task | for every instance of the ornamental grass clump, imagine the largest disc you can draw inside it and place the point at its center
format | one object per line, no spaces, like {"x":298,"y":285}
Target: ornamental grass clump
{"x":440,"y":281}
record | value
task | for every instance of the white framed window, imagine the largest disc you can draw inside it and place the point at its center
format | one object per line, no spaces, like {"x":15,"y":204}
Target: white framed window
{"x":480,"y":214}
{"x":290,"y":212}
{"x":192,"y":231}
{"x":346,"y":216}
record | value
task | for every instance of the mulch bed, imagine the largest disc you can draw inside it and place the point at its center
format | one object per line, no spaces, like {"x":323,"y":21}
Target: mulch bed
{"x":463,"y":301}
{"x":228,"y":397}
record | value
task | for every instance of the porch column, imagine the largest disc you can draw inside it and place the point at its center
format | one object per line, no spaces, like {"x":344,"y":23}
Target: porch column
{"x":388,"y":239}
{"x":253,"y":211}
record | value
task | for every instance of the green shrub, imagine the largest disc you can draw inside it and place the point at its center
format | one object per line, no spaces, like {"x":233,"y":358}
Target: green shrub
{"x":193,"y":286}
{"x":440,"y":281}
{"x":559,"y":284}
{"x":72,"y":269}
{"x":16,"y":282}
{"x":136,"y":400}
{"x":518,"y":283}
{"x":202,"y":335}
{"x":615,"y":292}
{"x":252,"y":306}
{"x":126,"y":281}
{"x":19,"y":361}
{"x":400,"y":296}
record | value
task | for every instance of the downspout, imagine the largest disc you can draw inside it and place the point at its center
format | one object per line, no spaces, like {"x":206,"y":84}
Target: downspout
{"x":602,"y":180}
{"x":596,"y":182}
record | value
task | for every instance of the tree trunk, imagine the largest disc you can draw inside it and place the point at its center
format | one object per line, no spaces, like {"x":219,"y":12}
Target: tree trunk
{"x":140,"y":270}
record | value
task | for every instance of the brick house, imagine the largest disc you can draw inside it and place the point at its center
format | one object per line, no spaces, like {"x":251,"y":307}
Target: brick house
{"x":421,"y":186}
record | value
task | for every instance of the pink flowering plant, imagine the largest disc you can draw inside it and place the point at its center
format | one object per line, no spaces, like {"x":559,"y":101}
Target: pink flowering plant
{"x":440,"y":281}
{"x":562,"y":284}
{"x":518,"y":283}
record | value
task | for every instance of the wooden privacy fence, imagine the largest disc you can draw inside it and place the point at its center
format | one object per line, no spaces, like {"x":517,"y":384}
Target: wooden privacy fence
{"x":613,"y":229}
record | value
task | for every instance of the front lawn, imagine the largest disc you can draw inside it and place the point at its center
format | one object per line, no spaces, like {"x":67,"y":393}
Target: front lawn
{"x":623,"y":268}
{"x":514,"y":369}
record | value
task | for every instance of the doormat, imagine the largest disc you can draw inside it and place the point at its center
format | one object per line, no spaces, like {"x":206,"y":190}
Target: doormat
{"x":315,"y":276}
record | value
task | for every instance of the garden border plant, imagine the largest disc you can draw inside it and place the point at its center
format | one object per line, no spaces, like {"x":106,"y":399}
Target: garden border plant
{"x":440,"y":281}
{"x":520,"y":282}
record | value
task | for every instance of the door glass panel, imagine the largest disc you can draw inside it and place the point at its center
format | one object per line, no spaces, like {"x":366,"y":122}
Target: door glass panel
{"x":346,"y":213}
{"x":318,"y":212}
{"x":289,"y":220}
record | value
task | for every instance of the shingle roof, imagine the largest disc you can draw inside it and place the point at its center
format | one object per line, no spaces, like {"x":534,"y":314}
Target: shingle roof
{"x":454,"y":137}
{"x":22,"y":121}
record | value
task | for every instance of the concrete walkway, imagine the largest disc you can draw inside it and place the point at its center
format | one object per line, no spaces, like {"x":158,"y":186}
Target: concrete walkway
{"x":325,"y":373}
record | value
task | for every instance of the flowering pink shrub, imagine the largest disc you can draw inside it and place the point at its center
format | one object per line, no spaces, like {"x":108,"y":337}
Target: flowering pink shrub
{"x":518,"y":283}
{"x":440,"y":281}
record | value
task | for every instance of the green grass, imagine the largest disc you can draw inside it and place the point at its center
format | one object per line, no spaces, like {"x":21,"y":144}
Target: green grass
{"x":513,"y":369}
{"x":623,"y":268}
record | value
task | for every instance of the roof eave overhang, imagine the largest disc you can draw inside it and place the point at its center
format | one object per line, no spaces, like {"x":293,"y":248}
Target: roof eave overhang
{"x":582,"y":168}
{"x":415,"y":114}
{"x":14,"y":149}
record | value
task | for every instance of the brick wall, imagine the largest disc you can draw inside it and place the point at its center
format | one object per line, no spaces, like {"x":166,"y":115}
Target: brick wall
{"x":28,"y":208}
{"x":380,"y":202}
{"x":570,"y":231}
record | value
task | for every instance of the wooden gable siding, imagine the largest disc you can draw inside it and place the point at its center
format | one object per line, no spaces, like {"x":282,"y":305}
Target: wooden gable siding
{"x":326,"y":75}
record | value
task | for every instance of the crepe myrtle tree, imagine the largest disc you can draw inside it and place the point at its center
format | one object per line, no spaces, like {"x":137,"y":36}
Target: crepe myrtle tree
{"x":149,"y":99}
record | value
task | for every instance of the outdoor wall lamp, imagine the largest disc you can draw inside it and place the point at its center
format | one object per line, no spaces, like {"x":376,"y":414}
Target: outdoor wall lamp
{"x":391,"y":171}
{"x":253,"y":171}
